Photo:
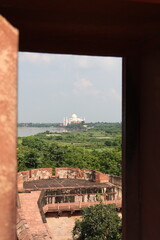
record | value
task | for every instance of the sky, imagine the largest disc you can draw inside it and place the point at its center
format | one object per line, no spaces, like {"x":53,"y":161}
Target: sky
{"x":54,"y":86}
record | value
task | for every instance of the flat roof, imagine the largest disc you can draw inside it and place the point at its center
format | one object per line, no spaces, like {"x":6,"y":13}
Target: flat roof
{"x":62,"y":183}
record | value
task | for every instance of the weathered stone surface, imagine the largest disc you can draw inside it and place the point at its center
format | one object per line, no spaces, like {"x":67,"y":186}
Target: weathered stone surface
{"x":41,"y":173}
{"x":101,"y":177}
{"x":61,"y":227}
{"x":8,"y":123}
{"x":31,"y":224}
{"x":30,"y":175}
{"x":76,"y":173}
{"x":115,"y":180}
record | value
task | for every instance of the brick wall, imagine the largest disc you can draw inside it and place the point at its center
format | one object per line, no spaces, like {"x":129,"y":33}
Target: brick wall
{"x":22,"y":227}
{"x":41,"y":173}
{"x":86,"y":174}
{"x":29,"y":221}
{"x":71,"y":173}
{"x":101,"y":177}
{"x":116,"y":180}
{"x":34,"y":174}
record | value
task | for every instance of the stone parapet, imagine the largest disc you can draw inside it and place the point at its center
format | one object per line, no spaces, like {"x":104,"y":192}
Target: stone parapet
{"x":22,"y":227}
{"x":29,"y":222}
{"x":116,"y":180}
{"x":41,"y":173}
{"x":86,"y":174}
{"x":68,"y":173}
{"x":101,"y":177}
{"x":30,"y":175}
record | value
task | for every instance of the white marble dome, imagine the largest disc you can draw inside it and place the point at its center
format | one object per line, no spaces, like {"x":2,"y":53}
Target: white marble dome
{"x":74,"y":116}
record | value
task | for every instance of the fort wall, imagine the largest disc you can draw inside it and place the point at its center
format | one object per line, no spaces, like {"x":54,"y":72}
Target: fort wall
{"x":86,"y":174}
{"x":34,"y":174}
{"x":69,"y":173}
{"x":117,"y":182}
{"x":48,"y":205}
{"x":29,"y":221}
{"x":22,"y":227}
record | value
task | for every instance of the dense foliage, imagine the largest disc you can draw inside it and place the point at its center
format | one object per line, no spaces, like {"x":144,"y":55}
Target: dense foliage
{"x":91,"y":149}
{"x":99,"y":222}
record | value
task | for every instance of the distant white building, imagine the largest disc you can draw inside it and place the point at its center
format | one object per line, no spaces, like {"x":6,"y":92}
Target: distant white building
{"x":72,"y":120}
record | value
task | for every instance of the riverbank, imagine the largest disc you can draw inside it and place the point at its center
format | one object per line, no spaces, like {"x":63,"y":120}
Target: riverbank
{"x":30,"y":131}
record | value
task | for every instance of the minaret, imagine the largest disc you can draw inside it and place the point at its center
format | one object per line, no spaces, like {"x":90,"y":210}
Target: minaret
{"x":64,"y":122}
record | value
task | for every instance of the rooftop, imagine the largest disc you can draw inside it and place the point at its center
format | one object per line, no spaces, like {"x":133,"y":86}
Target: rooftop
{"x":62,"y":183}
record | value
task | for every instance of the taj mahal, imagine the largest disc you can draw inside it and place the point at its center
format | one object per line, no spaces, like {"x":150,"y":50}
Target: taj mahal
{"x":72,"y":120}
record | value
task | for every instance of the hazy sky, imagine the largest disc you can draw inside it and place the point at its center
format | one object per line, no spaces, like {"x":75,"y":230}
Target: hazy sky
{"x":53,"y":86}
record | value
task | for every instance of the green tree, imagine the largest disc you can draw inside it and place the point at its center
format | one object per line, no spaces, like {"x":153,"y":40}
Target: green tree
{"x":99,"y":222}
{"x":108,"y":142}
{"x":55,"y":154}
{"x":28,"y":158}
{"x":31,"y":158}
{"x":21,"y":159}
{"x":33,"y":142}
{"x":110,"y":160}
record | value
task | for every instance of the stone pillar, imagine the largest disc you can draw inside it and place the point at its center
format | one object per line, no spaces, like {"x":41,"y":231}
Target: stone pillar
{"x":141,"y":148}
{"x":8,"y":122}
{"x":131,"y":162}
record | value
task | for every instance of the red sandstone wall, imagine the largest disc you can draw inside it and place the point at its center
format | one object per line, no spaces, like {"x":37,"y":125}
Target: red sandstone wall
{"x":22,"y":227}
{"x":101,"y":177}
{"x":41,"y":173}
{"x":115,"y":180}
{"x":72,"y":173}
{"x":76,"y":173}
{"x":89,"y":174}
{"x":29,"y":221}
{"x":35,"y":174}
{"x":8,"y":125}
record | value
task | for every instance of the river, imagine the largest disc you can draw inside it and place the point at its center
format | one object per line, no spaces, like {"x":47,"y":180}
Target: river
{"x":29,"y":131}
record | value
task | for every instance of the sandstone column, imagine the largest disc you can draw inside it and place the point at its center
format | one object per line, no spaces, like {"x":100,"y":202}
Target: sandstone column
{"x":8,"y":122}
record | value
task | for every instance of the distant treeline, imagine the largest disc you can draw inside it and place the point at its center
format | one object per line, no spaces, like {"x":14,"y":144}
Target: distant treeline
{"x":109,"y":128}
